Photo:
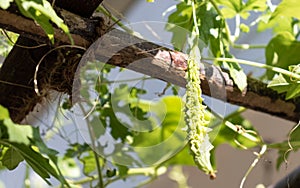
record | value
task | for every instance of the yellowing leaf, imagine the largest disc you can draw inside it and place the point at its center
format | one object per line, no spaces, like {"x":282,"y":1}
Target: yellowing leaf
{"x":288,"y":8}
{"x":4,"y":4}
{"x":3,"y":113}
{"x":233,"y":7}
{"x":18,"y":133}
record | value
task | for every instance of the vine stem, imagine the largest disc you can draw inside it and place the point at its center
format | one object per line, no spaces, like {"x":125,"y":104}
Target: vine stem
{"x":248,"y":46}
{"x":27,"y":177}
{"x":259,"y":155}
{"x":147,"y":171}
{"x":237,"y":27}
{"x":117,"y":21}
{"x":195,"y":20}
{"x":259,"y":65}
{"x":227,"y":123}
{"x":232,"y":39}
{"x":92,"y":136}
{"x":227,"y":30}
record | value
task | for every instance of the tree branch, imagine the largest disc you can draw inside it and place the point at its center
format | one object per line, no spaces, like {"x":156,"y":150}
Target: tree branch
{"x":216,"y":83}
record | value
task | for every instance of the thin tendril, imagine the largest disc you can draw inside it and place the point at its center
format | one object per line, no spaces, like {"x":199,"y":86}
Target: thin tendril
{"x":21,"y":46}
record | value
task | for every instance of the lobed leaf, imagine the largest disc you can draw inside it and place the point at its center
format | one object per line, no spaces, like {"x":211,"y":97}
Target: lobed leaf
{"x":231,"y":8}
{"x":237,"y":74}
{"x":11,"y":158}
{"x":288,"y":8}
{"x":36,"y":161}
{"x":282,"y":84}
{"x":282,"y":51}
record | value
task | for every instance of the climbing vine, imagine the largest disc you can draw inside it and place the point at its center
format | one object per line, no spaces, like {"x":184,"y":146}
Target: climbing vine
{"x":154,"y":135}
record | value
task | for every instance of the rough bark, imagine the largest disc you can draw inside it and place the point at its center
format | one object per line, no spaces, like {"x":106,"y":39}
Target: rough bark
{"x":257,"y":97}
{"x":57,"y":70}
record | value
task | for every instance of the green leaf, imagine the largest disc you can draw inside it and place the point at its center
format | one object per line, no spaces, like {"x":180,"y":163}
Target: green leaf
{"x":289,"y":8}
{"x":118,"y":128}
{"x":282,"y":51}
{"x":122,"y":170}
{"x":255,"y":5}
{"x":170,"y":107}
{"x":76,"y":150}
{"x":36,"y":161}
{"x":233,"y":7}
{"x":166,"y":140}
{"x":3,"y":113}
{"x":11,"y":158}
{"x":4,"y":4}
{"x":18,"y":133}
{"x":18,"y":138}
{"x":51,"y":153}
{"x":183,"y":157}
{"x":279,"y":84}
{"x":42,"y":12}
{"x":230,"y":8}
{"x":181,"y":23}
{"x":14,"y":132}
{"x":277,"y":24}
{"x":244,"y":28}
{"x":89,"y":163}
{"x":283,"y":84}
{"x":237,"y":74}
{"x":293,"y":92}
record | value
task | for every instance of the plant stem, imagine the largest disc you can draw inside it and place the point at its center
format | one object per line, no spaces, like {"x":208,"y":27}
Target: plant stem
{"x":116,"y":20}
{"x":234,"y":127}
{"x":127,"y":80}
{"x":243,"y":133}
{"x":248,"y":46}
{"x":101,"y":183}
{"x":259,"y":65}
{"x":227,"y":30}
{"x":237,"y":27}
{"x":259,"y":155}
{"x":195,"y":20}
{"x":92,"y":137}
{"x":27,"y":180}
{"x":84,"y":180}
{"x":147,"y":171}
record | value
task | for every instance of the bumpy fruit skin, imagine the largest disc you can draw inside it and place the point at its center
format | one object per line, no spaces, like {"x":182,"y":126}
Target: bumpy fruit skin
{"x":197,"y":120}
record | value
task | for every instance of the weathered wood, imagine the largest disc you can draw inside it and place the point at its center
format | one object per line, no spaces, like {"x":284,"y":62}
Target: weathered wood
{"x":17,"y":72}
{"x":83,"y":31}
